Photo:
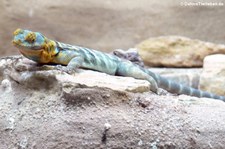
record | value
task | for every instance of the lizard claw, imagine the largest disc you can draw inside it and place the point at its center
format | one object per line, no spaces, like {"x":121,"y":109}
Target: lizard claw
{"x":64,"y":69}
{"x":59,"y":67}
{"x":161,"y":91}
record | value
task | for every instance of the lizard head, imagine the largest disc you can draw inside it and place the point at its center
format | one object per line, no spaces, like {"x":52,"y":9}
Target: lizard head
{"x":28,"y":40}
{"x":34,"y":45}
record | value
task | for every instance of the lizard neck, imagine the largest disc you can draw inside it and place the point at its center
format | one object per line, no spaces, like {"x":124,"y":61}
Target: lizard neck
{"x":48,"y":52}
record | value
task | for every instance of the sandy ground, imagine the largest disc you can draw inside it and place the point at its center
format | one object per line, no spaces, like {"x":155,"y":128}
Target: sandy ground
{"x":39,"y":111}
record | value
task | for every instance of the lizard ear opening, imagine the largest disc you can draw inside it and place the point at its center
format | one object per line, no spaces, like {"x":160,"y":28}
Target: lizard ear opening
{"x":31,"y":37}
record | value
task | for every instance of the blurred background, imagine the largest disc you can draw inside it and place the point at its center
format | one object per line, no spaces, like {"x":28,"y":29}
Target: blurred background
{"x":110,"y":24}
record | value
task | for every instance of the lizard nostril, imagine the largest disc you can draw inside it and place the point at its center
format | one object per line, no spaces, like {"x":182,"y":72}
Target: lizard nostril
{"x":16,"y":42}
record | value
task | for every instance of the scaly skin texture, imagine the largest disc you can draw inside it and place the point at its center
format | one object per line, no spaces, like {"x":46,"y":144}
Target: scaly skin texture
{"x":40,"y":49}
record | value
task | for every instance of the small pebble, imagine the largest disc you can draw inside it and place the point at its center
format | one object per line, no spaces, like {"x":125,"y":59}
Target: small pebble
{"x":107,"y":126}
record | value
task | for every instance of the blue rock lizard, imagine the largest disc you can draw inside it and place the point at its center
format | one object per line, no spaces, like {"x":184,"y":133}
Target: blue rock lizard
{"x":40,"y":49}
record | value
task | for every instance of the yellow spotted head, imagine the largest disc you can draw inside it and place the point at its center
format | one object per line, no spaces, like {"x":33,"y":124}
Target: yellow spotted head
{"x":34,"y":45}
{"x":25,"y":39}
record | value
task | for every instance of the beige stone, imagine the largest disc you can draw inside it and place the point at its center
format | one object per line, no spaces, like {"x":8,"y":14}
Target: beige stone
{"x":213,"y":75}
{"x":176,"y":51}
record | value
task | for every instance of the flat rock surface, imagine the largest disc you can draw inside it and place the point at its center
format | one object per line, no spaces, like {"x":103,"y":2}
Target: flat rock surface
{"x":40,"y":110}
{"x":93,"y":78}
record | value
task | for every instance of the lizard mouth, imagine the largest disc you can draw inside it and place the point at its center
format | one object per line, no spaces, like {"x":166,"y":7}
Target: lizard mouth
{"x":30,"y":52}
{"x":18,"y":44}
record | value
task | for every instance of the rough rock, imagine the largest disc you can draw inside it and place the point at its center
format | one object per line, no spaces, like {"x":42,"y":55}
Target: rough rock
{"x":176,"y":51}
{"x":87,"y":78}
{"x":41,"y":108}
{"x":109,"y":24}
{"x":213,"y":75}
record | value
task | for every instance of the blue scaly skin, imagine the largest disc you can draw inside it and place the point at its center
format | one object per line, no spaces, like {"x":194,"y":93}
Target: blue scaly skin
{"x":40,"y":49}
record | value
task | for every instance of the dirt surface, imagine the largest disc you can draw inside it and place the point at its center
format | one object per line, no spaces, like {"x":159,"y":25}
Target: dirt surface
{"x":39,"y":111}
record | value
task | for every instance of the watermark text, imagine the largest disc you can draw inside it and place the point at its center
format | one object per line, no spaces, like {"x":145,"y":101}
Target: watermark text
{"x":189,"y":4}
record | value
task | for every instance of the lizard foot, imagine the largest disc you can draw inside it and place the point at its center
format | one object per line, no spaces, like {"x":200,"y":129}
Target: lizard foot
{"x":65,"y":69}
{"x":161,"y":91}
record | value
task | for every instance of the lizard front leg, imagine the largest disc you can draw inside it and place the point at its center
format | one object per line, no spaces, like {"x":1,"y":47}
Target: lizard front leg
{"x":72,"y":64}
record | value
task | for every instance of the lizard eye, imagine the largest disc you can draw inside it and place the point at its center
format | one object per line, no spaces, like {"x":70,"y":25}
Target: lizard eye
{"x":31,"y":37}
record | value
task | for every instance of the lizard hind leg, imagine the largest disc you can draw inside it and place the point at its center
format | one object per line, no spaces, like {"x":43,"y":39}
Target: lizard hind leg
{"x":128,"y":69}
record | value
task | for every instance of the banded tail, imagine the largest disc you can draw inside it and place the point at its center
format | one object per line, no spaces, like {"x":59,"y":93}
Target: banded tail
{"x":177,"y":88}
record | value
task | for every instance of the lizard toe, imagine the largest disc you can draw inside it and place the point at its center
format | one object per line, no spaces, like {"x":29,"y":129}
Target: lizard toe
{"x":64,"y":69}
